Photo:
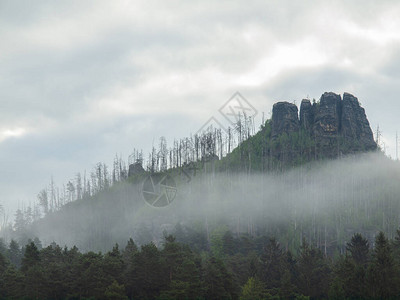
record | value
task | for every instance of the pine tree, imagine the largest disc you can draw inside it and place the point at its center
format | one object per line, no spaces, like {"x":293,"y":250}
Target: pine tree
{"x":173,"y":256}
{"x":314,"y":273}
{"x":349,"y":280}
{"x":35,"y":282}
{"x":128,"y":257}
{"x":351,"y":271}
{"x":31,"y":257}
{"x":3,"y":264}
{"x":13,"y":282}
{"x":19,"y":223}
{"x":92,"y":281}
{"x":383,"y":276}
{"x":292,"y":267}
{"x":57,"y":271}
{"x":72,"y":271}
{"x":3,"y":247}
{"x":148,"y":272}
{"x":273,"y":266}
{"x":14,"y":254}
{"x":396,"y":248}
{"x":358,"y":248}
{"x":218,"y":281}
{"x":37,"y":243}
{"x":183,"y":272}
{"x":113,"y":265}
{"x":3,"y":267}
{"x":130,"y":250}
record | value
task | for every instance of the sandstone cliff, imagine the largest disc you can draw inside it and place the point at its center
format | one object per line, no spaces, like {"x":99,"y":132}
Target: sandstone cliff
{"x":336,"y":125}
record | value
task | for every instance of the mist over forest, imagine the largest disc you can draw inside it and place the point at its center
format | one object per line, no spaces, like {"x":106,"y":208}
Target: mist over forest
{"x":324,"y":202}
{"x":315,"y":175}
{"x":290,"y":234}
{"x":309,"y":200}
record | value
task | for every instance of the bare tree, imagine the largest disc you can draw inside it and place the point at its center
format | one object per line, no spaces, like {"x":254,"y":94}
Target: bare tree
{"x":43,"y":200}
{"x":106,"y":179}
{"x":78,"y":186}
{"x":71,"y":191}
{"x":52,"y":194}
{"x":163,"y":154}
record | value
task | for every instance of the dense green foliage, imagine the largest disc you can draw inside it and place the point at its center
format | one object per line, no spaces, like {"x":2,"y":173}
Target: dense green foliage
{"x":245,"y":268}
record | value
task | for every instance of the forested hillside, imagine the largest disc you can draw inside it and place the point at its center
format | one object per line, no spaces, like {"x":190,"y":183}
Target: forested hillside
{"x":274,"y":213}
{"x":323,"y":202}
{"x":300,"y":176}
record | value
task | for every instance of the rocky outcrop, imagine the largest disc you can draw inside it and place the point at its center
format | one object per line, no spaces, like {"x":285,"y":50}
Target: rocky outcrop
{"x":135,"y":169}
{"x":354,"y":123}
{"x":306,"y":115}
{"x":335,"y":125}
{"x":285,"y":118}
{"x":327,"y":116}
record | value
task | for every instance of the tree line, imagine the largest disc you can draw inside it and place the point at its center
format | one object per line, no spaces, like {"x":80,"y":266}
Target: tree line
{"x":238,"y":268}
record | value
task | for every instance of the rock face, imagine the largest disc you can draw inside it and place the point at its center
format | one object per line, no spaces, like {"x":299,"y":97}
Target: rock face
{"x":335,"y":125}
{"x":327,"y":116}
{"x":285,"y":118}
{"x":355,"y":125}
{"x":306,"y":115}
{"x":135,"y":168}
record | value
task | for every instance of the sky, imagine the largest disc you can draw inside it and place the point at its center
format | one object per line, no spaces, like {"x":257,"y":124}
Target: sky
{"x":82,"y":81}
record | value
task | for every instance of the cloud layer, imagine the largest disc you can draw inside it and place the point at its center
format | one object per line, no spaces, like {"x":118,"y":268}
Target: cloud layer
{"x":83,"y":80}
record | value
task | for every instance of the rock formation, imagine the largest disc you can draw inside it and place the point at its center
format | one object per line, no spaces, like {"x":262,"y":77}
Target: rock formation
{"x":306,"y":115}
{"x":284,"y":118}
{"x":135,"y":168}
{"x":333,"y":123}
{"x":327,"y":117}
{"x":354,"y":123}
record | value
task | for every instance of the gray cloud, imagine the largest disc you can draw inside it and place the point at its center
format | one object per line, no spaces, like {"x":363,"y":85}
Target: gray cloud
{"x":81,"y":81}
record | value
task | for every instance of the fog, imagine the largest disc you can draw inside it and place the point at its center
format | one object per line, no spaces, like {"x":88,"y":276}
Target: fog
{"x":323,"y":202}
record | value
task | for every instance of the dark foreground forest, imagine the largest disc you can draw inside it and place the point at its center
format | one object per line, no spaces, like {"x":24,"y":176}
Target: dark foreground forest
{"x":242,"y":267}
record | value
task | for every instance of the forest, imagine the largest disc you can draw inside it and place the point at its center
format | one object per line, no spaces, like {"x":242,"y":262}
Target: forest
{"x":254,"y":217}
{"x":185,"y":267}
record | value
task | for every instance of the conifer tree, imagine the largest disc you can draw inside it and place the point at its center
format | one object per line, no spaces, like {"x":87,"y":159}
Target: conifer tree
{"x":314,"y":273}
{"x":14,"y":253}
{"x":31,"y":257}
{"x":358,"y":249}
{"x":383,"y":275}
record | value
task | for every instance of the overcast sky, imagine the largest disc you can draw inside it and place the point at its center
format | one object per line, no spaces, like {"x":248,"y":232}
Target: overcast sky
{"x":83,"y":80}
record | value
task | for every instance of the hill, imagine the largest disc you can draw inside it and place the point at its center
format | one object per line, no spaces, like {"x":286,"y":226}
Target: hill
{"x":330,"y":128}
{"x":245,"y":190}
